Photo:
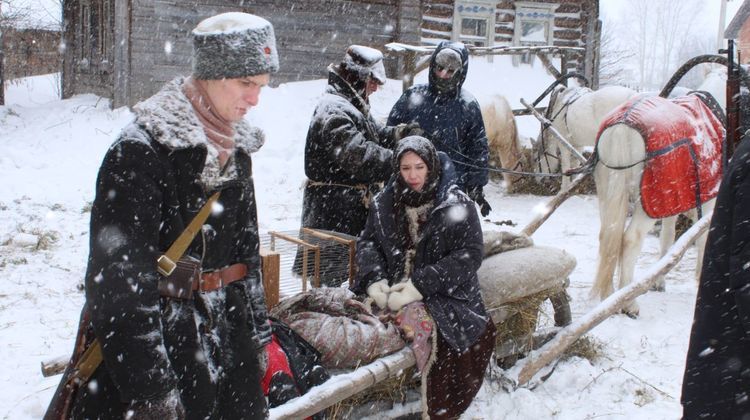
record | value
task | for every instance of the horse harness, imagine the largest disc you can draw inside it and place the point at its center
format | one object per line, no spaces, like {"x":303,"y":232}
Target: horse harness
{"x":551,"y":118}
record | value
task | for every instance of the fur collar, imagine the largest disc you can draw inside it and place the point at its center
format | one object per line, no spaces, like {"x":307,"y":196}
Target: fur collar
{"x":170,"y":119}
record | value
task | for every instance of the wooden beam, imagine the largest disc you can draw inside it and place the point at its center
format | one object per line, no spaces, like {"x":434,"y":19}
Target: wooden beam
{"x":525,"y":369}
{"x":54,"y":366}
{"x":343,"y":386}
{"x":548,"y":65}
{"x":548,"y":125}
{"x":520,"y":112}
{"x":553,"y":204}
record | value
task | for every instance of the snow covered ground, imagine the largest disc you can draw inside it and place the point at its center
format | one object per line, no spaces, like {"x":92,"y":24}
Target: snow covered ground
{"x":50,"y":150}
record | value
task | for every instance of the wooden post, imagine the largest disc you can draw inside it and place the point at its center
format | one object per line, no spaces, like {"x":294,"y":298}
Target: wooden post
{"x":548,"y":65}
{"x":304,"y":269}
{"x":531,"y":364}
{"x":352,"y":268}
{"x":409,"y":72}
{"x":270,"y":263}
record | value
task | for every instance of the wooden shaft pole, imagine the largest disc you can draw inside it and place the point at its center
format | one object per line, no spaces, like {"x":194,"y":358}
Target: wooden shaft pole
{"x":536,"y":360}
{"x":548,"y":124}
{"x":553,"y":204}
{"x":343,"y":386}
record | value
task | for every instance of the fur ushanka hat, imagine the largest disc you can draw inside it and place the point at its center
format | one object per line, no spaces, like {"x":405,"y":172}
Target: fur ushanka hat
{"x":233,"y":45}
{"x":364,"y":62}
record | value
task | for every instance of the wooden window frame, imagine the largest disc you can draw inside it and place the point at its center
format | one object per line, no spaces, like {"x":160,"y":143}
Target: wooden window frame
{"x":482,"y":10}
{"x":534,"y":12}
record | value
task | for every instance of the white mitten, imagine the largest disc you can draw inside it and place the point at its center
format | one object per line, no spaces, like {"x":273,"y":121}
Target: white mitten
{"x":378,"y":291}
{"x":403,"y":294}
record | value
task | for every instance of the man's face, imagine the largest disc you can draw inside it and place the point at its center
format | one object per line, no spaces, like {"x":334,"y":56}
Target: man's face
{"x":444,"y":72}
{"x":447,"y":63}
{"x":234,"y":97}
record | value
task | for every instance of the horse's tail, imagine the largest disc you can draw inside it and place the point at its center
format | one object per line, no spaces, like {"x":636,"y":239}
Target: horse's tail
{"x":612,"y":190}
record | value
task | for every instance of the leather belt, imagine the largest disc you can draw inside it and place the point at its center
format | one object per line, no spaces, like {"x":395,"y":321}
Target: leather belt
{"x":217,"y":279}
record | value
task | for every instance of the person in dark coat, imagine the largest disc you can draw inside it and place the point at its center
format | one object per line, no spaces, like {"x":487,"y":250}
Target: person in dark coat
{"x":450,"y":117}
{"x":716,"y":384}
{"x":197,"y":357}
{"x":423,"y":243}
{"x":347,"y":153}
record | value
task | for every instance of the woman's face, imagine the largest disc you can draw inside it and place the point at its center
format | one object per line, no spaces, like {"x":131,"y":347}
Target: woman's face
{"x":413,"y":170}
{"x":234,"y":97}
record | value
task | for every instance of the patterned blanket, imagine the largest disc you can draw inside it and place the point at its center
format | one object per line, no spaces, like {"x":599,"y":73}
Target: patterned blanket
{"x":345,"y":332}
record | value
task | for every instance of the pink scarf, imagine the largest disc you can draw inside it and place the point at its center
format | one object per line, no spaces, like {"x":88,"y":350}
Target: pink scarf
{"x":219,"y":131}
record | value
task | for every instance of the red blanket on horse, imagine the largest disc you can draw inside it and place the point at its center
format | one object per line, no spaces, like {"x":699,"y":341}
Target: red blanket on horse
{"x":683,"y":139}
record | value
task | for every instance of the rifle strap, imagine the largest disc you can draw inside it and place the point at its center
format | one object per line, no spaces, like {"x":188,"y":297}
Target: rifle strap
{"x":166,"y":263}
{"x":87,"y":364}
{"x":92,"y":356}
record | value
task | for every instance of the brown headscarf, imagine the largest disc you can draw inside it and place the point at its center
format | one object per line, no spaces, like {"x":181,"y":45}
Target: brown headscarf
{"x":219,"y":131}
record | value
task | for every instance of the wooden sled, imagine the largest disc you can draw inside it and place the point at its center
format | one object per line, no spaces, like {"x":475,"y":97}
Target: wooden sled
{"x":514,"y":283}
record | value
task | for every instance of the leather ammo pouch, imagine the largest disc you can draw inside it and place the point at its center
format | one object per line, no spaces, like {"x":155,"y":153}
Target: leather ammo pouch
{"x":181,"y":282}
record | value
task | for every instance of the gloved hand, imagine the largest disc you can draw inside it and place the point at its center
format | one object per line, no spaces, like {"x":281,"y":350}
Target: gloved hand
{"x":407,"y":129}
{"x":477,"y":194}
{"x":378,"y":291}
{"x":402,"y":294}
{"x":168,"y":407}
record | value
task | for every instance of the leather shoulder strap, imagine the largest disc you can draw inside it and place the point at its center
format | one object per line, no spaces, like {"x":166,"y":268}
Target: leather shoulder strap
{"x":167,"y":262}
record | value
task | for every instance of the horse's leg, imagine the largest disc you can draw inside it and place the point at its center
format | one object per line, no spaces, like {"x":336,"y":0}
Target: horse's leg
{"x":666,"y":239}
{"x":700,"y":242}
{"x":564,"y":167}
{"x":639,"y":226}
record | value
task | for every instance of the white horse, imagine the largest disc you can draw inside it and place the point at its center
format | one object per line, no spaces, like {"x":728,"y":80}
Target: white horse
{"x":502,"y":137}
{"x":623,"y":148}
{"x":576,"y":112}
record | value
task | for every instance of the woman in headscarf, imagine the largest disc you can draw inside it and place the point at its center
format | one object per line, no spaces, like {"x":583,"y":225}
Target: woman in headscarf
{"x":417,"y":258}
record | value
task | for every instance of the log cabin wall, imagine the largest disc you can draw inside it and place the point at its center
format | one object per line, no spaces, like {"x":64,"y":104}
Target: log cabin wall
{"x":31,"y":52}
{"x":127,"y":49}
{"x":152,"y":38}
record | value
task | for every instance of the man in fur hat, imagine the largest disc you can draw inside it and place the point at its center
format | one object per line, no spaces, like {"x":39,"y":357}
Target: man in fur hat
{"x":347,"y":153}
{"x":166,"y":352}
